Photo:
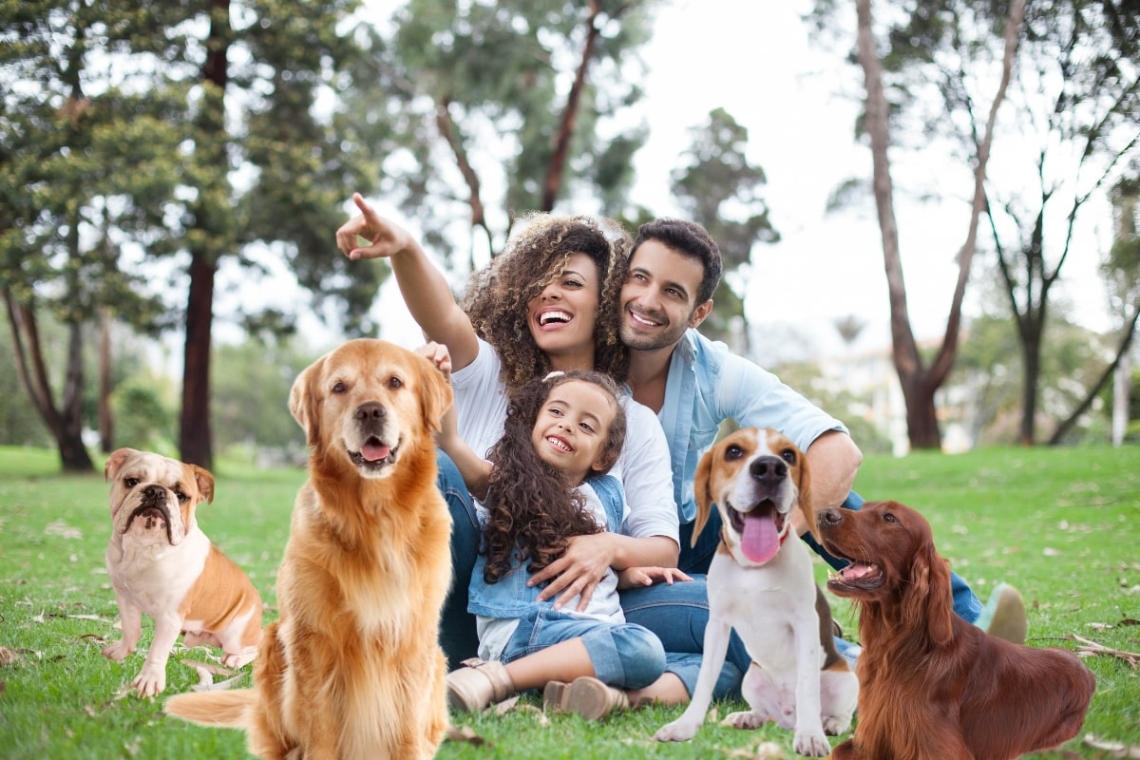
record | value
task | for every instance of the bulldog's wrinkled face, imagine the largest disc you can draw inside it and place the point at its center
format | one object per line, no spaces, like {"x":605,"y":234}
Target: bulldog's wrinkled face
{"x":366,"y":401}
{"x":755,"y":478}
{"x":153,"y":497}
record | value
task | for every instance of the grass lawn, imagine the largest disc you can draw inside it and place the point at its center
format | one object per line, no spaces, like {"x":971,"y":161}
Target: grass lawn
{"x":1060,"y":524}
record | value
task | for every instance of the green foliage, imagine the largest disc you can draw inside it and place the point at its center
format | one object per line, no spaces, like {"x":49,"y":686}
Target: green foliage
{"x":1054,"y":523}
{"x":251,"y":383}
{"x":143,"y":417}
{"x":720,"y":189}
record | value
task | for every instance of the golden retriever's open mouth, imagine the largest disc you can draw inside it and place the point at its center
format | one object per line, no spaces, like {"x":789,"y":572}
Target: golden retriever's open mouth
{"x":374,"y":455}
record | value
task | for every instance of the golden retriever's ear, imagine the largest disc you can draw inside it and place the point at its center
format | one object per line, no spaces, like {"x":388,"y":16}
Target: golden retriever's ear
{"x":205,"y":482}
{"x":927,"y":602}
{"x":115,"y":461}
{"x":702,"y":491}
{"x":803,"y":488}
{"x":437,"y":395}
{"x":303,"y":401}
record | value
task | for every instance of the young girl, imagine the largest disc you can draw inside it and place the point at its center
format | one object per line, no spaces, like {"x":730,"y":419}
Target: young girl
{"x":545,"y":482}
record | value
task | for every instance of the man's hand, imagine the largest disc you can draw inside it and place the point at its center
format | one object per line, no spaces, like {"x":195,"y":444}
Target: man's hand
{"x":386,"y":238}
{"x":578,"y":571}
{"x":637,"y":577}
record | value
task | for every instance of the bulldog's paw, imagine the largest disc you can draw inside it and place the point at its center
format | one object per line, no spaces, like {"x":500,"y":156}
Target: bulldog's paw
{"x":746,"y":720}
{"x":118,"y":650}
{"x":150,"y":681}
{"x":237,"y":659}
{"x":680,"y":730}
{"x":811,"y":745}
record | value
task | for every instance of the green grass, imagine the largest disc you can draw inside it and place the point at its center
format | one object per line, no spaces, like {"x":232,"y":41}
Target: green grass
{"x":1060,"y":524}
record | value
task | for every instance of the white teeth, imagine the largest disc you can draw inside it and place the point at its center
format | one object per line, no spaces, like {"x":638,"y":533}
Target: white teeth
{"x":642,"y":320}
{"x":553,"y":316}
{"x":558,"y":443}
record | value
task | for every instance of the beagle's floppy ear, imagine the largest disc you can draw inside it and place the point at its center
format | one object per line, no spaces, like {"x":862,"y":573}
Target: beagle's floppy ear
{"x":437,"y":395}
{"x":702,"y":491}
{"x":303,"y":401}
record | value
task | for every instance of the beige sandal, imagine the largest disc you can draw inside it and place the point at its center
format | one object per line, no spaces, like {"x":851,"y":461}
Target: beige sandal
{"x":478,"y":683}
{"x":591,"y":698}
{"x":553,"y":695}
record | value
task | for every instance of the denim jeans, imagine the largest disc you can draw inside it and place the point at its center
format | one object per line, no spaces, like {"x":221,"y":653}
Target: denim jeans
{"x":457,"y":633}
{"x":624,"y":655}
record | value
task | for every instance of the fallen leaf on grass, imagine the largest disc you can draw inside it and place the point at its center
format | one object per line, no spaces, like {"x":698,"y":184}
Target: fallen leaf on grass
{"x":540,"y":716}
{"x":8,"y":656}
{"x":206,"y":682}
{"x":217,"y":670}
{"x":464,"y":734}
{"x":97,"y":618}
{"x":506,"y":705}
{"x":1117,"y":749}
{"x":763,"y":751}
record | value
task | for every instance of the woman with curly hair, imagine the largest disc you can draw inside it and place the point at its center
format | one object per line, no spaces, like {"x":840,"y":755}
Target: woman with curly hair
{"x":548,"y":302}
{"x":542,"y":483}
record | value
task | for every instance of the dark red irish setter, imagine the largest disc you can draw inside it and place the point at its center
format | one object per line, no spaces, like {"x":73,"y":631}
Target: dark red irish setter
{"x":931,"y":685}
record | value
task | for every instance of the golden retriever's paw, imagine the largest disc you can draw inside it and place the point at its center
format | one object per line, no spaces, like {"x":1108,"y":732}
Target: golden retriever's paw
{"x":117,"y":651}
{"x":811,"y":745}
{"x":746,"y":720}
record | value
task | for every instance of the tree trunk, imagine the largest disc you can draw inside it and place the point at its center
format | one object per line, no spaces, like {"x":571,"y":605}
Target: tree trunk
{"x":195,"y":439}
{"x":918,"y":382}
{"x":1031,"y":357}
{"x":557,"y":165}
{"x":106,"y":419}
{"x":1121,"y":388}
{"x":73,"y":454}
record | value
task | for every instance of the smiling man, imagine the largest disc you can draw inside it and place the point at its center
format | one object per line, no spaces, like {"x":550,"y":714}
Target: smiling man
{"x":695,"y":384}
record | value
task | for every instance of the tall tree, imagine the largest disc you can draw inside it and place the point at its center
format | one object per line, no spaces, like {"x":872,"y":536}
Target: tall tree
{"x":81,"y":152}
{"x":719,"y":189}
{"x":921,"y":378}
{"x":503,"y":108}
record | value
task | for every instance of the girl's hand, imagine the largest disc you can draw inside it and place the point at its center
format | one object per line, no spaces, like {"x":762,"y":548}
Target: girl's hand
{"x":637,"y":577}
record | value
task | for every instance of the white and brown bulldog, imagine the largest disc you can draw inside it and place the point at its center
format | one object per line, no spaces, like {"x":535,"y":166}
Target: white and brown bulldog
{"x":162,"y":564}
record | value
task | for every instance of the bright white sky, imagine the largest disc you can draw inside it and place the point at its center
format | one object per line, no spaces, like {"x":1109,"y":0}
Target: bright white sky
{"x":754,"y":59}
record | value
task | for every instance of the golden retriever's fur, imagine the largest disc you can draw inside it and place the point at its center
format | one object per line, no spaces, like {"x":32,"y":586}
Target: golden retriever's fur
{"x":352,"y":669}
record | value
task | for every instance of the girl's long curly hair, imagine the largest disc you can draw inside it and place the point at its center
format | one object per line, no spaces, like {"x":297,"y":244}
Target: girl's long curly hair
{"x":533,"y":508}
{"x":497,"y":296}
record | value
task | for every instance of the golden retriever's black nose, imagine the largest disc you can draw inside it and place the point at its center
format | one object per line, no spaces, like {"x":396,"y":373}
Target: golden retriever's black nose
{"x":829,"y":516}
{"x":370,"y":411}
{"x":768,"y":469}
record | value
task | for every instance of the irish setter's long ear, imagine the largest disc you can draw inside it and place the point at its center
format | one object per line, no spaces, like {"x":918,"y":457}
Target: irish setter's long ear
{"x":927,"y":603}
{"x":803,"y":486}
{"x":702,"y":492}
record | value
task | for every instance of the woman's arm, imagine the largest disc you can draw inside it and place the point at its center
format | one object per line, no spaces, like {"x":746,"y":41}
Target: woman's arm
{"x":423,"y":286}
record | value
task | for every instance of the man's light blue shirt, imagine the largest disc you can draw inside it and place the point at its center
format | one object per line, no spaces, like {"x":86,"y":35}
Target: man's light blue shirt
{"x":715,"y":384}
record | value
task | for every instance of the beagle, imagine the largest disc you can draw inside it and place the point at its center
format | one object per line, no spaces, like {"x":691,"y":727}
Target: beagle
{"x":762,"y":585}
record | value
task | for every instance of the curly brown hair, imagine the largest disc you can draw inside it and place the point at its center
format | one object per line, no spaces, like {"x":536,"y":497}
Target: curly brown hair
{"x":497,"y":296}
{"x":533,"y":508}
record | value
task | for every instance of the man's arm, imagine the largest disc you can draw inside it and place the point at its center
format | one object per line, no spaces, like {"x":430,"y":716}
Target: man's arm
{"x":833,"y":461}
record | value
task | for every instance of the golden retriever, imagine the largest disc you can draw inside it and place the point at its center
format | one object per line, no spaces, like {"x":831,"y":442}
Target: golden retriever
{"x":353,"y":668}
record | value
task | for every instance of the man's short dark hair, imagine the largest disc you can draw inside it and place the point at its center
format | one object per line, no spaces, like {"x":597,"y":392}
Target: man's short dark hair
{"x":689,"y":239}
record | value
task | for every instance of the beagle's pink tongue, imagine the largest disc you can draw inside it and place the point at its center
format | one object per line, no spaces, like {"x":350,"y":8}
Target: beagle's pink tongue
{"x":760,"y":539}
{"x":374,"y":452}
